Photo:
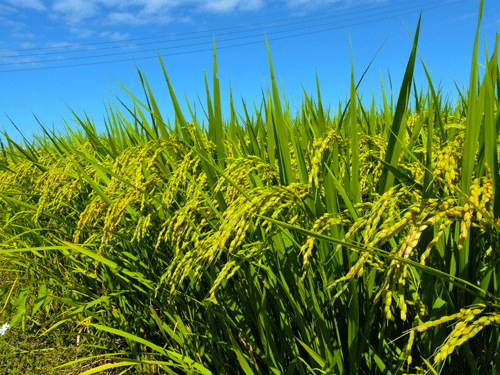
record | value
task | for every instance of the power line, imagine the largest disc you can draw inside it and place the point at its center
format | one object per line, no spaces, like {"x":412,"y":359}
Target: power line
{"x":223,"y":47}
{"x":202,"y":43}
{"x":182,"y":39}
{"x":180,"y":34}
{"x":189,"y":38}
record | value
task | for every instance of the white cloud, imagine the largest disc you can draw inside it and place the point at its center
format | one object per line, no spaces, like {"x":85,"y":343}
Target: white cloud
{"x":5,"y":9}
{"x":27,"y":45}
{"x":140,"y":12}
{"x":80,"y":14}
{"x":29,"y":4}
{"x":494,"y":24}
{"x":123,"y":17}
{"x":251,"y":5}
{"x":114,"y":36}
{"x":186,"y":19}
{"x":82,"y":33}
{"x":155,"y":6}
{"x":311,"y":4}
{"x":8,"y":53}
{"x":76,"y":10}
{"x":129,"y":47}
{"x":137,"y":19}
{"x":13,"y":58}
{"x":15,"y":26}
{"x":224,"y":6}
{"x":56,"y":45}
{"x":464,"y":17}
{"x":316,"y":4}
{"x":22,"y":35}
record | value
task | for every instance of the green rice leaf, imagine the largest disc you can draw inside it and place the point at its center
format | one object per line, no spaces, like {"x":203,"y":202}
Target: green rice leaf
{"x":394,"y":148}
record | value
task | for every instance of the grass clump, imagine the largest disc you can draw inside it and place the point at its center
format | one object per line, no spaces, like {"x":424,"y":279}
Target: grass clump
{"x":363,"y":242}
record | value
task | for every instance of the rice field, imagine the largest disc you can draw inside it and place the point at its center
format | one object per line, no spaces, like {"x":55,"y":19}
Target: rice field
{"x":363,"y":242}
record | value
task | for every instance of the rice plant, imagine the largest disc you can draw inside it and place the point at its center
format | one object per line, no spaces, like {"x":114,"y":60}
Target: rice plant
{"x":363,"y":242}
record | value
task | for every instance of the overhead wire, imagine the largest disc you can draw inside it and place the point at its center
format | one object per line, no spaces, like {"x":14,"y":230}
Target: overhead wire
{"x":438,"y":5}
{"x":186,"y":45}
{"x":352,"y":9}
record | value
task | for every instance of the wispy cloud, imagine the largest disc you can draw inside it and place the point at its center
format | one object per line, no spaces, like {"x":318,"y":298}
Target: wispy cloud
{"x":27,"y":45}
{"x":464,"y":16}
{"x":186,"y":19}
{"x":494,"y":24}
{"x":85,"y":18}
{"x":140,"y":18}
{"x":224,"y":6}
{"x":28,"y":4}
{"x":61,"y":45}
{"x":12,"y":26}
{"x":150,"y":7}
{"x":134,"y":12}
{"x":5,"y":9}
{"x":309,"y":3}
{"x":82,"y":32}
{"x":114,"y":36}
{"x":75,"y":11}
{"x":14,"y":58}
{"x":129,"y":47}
{"x":23,"y":35}
{"x":4,"y":53}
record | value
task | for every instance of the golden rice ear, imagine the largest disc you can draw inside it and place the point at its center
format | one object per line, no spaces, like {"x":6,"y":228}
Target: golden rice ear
{"x":343,"y":243}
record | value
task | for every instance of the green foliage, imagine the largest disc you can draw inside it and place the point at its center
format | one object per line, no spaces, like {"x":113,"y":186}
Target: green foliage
{"x":353,"y":243}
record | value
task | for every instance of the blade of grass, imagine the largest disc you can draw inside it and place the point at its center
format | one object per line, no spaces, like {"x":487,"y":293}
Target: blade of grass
{"x":355,"y":192}
{"x":354,"y":246}
{"x":472,"y":130}
{"x":394,"y":148}
{"x":281,"y":131}
{"x":219,"y":129}
{"x":180,"y":359}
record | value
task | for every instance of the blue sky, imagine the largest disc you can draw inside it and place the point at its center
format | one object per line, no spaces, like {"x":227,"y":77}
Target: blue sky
{"x":305,"y":38}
